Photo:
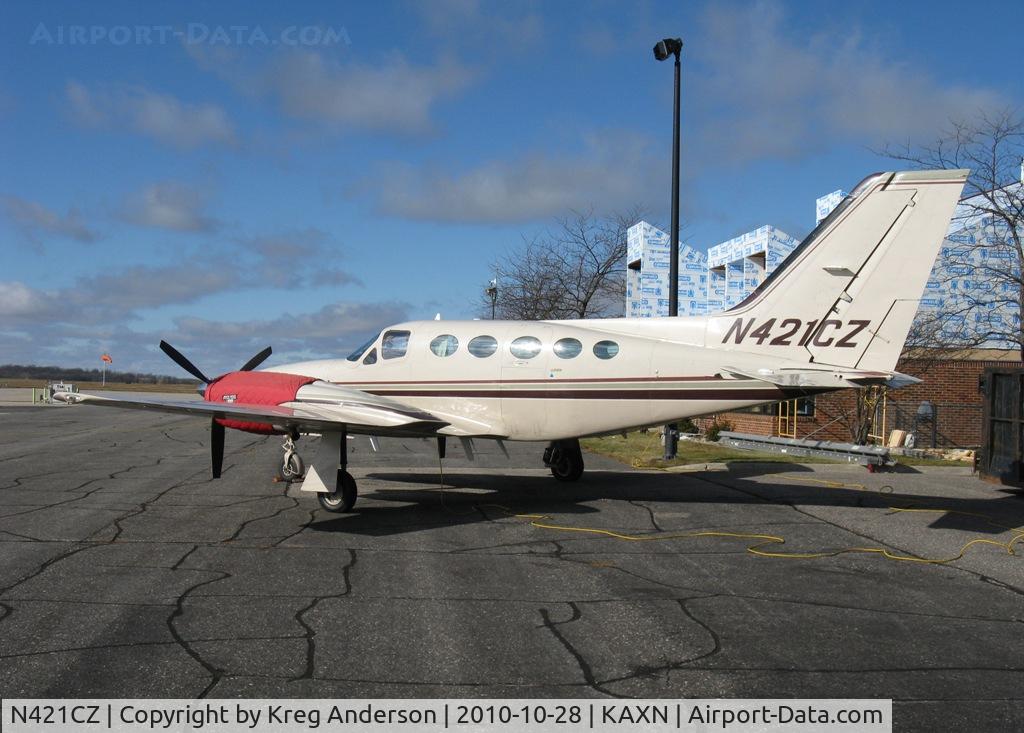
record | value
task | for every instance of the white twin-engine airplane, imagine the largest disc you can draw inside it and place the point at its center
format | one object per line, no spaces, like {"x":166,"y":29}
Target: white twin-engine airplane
{"x":834,"y":314}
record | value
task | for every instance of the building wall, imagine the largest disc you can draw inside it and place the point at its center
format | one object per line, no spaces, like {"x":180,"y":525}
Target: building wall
{"x":707,"y":283}
{"x":950,"y":385}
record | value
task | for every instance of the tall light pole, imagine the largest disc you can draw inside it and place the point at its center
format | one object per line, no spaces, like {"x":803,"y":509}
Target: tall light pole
{"x":662,"y":50}
{"x":492,"y":292}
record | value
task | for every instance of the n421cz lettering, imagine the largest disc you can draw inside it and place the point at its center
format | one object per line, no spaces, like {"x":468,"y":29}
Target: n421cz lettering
{"x":796,"y":332}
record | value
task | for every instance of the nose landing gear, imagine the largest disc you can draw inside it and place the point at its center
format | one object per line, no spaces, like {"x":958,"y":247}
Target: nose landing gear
{"x":292,"y":467}
{"x":565,"y":459}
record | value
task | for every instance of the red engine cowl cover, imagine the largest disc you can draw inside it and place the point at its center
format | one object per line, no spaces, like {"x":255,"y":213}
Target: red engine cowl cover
{"x":254,"y":388}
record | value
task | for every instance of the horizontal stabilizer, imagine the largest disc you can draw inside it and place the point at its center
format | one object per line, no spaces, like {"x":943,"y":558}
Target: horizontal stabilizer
{"x":829,"y":377}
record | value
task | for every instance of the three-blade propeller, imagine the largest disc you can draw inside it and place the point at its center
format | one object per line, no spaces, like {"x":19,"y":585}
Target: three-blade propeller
{"x":216,"y":429}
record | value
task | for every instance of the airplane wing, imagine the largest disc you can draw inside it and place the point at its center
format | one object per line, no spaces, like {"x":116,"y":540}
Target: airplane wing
{"x":352,"y":409}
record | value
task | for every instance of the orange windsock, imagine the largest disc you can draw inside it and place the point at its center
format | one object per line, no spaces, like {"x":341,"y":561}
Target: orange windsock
{"x":106,"y":358}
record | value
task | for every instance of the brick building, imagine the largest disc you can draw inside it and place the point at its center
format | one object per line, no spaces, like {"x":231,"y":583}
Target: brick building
{"x":949,"y":386}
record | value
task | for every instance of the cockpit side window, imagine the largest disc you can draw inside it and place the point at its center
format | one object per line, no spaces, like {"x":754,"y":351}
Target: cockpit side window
{"x":371,"y":358}
{"x":354,"y":356}
{"x":394,"y":344}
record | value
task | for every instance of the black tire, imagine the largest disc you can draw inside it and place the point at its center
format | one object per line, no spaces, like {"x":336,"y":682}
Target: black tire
{"x":293,"y":470}
{"x":343,"y":498}
{"x":567,"y":461}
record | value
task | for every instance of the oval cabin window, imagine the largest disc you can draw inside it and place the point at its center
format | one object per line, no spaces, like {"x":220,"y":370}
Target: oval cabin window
{"x":525,"y":347}
{"x":482,"y":346}
{"x":444,"y":345}
{"x":605,"y":349}
{"x":567,"y":348}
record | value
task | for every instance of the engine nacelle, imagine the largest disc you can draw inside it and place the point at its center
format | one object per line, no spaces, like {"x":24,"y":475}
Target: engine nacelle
{"x":254,"y":388}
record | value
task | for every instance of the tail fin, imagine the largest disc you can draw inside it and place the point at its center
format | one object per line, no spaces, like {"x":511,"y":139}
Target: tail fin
{"x":846,"y":296}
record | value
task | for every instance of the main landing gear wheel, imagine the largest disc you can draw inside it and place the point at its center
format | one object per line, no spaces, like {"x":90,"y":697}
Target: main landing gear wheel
{"x":343,"y":498}
{"x":565,"y":459}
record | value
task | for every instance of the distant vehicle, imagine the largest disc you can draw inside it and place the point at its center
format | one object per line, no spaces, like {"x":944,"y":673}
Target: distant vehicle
{"x":835,"y":314}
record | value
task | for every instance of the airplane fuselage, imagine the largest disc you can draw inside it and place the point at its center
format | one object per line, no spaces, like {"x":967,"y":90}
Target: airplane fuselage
{"x":549,"y":380}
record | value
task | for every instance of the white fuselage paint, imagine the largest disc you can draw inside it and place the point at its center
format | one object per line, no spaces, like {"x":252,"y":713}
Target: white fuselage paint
{"x":651,"y":380}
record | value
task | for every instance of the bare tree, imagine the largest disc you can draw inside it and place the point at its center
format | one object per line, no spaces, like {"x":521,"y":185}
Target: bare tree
{"x":575,"y":270}
{"x":991,"y":220}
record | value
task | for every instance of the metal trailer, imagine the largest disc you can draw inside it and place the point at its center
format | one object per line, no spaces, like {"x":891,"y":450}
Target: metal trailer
{"x":871,"y":456}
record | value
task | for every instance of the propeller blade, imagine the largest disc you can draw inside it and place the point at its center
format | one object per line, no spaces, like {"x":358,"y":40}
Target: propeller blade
{"x":178,"y":358}
{"x":216,"y":446}
{"x":257,"y":360}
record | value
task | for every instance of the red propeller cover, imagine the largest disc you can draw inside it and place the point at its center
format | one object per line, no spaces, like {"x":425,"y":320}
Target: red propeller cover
{"x":254,"y":388}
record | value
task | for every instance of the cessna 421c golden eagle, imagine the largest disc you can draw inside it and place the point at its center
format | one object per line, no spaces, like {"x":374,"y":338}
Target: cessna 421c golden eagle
{"x":834,"y":314}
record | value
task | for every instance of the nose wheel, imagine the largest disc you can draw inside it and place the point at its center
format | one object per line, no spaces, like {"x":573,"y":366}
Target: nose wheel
{"x":343,"y":498}
{"x":565,"y":459}
{"x":292,"y":467}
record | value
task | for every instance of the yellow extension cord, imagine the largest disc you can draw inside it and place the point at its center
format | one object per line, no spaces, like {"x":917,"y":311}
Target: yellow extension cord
{"x":764,"y":540}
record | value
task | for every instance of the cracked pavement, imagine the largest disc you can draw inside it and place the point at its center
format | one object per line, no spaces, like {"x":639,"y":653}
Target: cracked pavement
{"x":127,"y":572}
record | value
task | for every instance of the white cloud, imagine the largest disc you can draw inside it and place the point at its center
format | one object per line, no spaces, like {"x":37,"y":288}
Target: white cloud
{"x":169,"y":205}
{"x":322,"y":331}
{"x":493,"y":27}
{"x":114,"y":297}
{"x":35,"y":220}
{"x":215,"y":346}
{"x":395,"y":96}
{"x":293,"y":259}
{"x":763,"y":91}
{"x":160,"y":116}
{"x":612,"y":171}
{"x":120,"y":296}
{"x":18,"y":300}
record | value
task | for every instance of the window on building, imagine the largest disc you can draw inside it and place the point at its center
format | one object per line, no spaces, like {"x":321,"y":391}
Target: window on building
{"x":482,"y":346}
{"x":525,"y":347}
{"x":606,"y":349}
{"x":394,"y":344}
{"x":371,"y":358}
{"x":568,"y":348}
{"x":444,"y":345}
{"x":804,"y":408}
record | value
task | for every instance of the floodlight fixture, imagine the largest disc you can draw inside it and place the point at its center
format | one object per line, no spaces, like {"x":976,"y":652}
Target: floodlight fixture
{"x":668,"y":47}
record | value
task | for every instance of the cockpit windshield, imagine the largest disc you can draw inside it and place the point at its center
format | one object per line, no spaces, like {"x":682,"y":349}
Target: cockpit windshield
{"x":354,"y":356}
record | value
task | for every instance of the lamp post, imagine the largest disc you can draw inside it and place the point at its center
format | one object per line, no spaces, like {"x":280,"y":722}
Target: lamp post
{"x":662,"y":50}
{"x":492,"y":291}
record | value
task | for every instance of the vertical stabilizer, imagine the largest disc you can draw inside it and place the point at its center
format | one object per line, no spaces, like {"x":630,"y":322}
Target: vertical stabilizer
{"x":847,"y":295}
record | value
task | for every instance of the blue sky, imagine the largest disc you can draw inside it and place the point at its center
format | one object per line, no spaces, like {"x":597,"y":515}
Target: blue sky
{"x":247,"y":174}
